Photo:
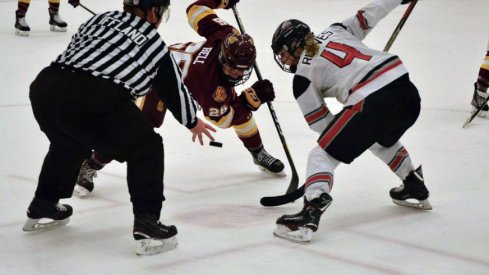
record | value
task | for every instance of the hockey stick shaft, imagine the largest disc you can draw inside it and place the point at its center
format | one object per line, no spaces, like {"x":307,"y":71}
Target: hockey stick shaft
{"x":294,"y":182}
{"x":87,"y":9}
{"x":291,"y":197}
{"x":400,"y":25}
{"x":474,"y":114}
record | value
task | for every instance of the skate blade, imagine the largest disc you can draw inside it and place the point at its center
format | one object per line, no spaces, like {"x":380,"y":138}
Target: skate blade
{"x":80,"y":191}
{"x":279,"y":174}
{"x":21,"y":33}
{"x":303,"y":235}
{"x":32,"y":225}
{"x":55,"y":28}
{"x":422,"y":205}
{"x":154,"y":246}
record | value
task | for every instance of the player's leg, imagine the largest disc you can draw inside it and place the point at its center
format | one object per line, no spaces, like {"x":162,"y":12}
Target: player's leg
{"x":320,"y":172}
{"x":249,"y":134}
{"x":347,"y":137}
{"x":153,"y":108}
{"x":61,"y":164}
{"x":480,"y":87}
{"x":88,"y":171}
{"x":134,"y":141}
{"x":56,"y":23}
{"x":21,"y":26}
{"x":401,"y":108}
{"x":413,"y":192}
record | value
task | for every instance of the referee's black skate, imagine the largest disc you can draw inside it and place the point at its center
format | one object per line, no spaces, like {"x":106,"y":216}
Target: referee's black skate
{"x":299,"y":227}
{"x":21,"y":27}
{"x":267,"y":163}
{"x":56,"y":214}
{"x":413,"y":193}
{"x":152,"y":236}
{"x":84,"y":182}
{"x":56,"y":23}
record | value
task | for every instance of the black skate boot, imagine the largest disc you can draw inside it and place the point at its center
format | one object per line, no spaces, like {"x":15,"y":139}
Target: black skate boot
{"x":56,"y":23}
{"x":477,"y":100}
{"x":299,"y":227}
{"x":153,"y":236}
{"x":84,"y":183}
{"x":21,"y":27}
{"x":267,"y":163}
{"x":42,"y":209}
{"x":413,"y":188}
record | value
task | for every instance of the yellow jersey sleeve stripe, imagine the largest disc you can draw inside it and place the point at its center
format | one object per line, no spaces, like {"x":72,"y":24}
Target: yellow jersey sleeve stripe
{"x":196,"y":13}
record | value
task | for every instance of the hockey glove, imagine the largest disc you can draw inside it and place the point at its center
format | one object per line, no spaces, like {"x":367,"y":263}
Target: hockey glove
{"x":74,"y":3}
{"x":261,"y":91}
{"x":404,"y":2}
{"x":227,"y":4}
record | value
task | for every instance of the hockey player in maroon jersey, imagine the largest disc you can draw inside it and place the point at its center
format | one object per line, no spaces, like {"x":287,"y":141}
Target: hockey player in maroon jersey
{"x":480,"y":87}
{"x":380,"y":104}
{"x":211,"y":69}
{"x":214,"y":67}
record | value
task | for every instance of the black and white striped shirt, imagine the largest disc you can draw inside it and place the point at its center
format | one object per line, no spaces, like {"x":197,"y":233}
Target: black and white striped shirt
{"x":128,"y":50}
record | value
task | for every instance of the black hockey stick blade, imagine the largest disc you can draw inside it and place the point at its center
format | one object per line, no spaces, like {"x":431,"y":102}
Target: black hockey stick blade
{"x":294,"y":182}
{"x":282,"y":199}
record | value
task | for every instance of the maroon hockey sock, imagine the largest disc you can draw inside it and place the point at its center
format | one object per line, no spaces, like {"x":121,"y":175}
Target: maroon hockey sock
{"x":54,"y":7}
{"x":253,"y":143}
{"x":97,"y":162}
{"x":22,"y":9}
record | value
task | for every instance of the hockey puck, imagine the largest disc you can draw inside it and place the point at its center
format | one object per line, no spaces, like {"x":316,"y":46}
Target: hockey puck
{"x":215,"y":144}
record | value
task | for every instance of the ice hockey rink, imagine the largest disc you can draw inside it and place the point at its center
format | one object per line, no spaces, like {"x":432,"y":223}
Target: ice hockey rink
{"x":213,"y":193}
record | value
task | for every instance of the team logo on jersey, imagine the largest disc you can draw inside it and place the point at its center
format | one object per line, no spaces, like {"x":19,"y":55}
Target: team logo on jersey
{"x":160,"y":106}
{"x":219,"y":94}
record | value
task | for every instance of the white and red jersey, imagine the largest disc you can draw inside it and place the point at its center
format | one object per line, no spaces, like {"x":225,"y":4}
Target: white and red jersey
{"x":344,"y":67}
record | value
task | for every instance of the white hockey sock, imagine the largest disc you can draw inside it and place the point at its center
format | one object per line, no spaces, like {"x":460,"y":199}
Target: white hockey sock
{"x":320,"y":173}
{"x":396,"y":157}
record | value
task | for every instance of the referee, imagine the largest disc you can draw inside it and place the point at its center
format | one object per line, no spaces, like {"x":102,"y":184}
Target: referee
{"x":84,"y":101}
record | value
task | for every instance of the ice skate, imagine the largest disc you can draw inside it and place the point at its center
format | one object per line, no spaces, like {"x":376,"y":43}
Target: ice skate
{"x":21,"y":27}
{"x":152,"y":236}
{"x":477,"y":101}
{"x":413,"y":193}
{"x":299,"y":227}
{"x":84,"y":184}
{"x":39,"y":210}
{"x":56,"y":23}
{"x":267,"y":163}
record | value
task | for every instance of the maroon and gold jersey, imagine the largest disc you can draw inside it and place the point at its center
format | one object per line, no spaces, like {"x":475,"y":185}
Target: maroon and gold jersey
{"x":200,"y":66}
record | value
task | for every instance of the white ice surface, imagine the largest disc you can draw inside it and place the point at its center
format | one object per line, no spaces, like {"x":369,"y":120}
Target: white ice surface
{"x":213,"y":194}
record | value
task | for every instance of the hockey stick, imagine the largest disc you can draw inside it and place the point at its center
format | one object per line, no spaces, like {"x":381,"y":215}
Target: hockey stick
{"x":87,"y":9}
{"x":291,"y":197}
{"x":294,"y":181}
{"x":474,"y":114}
{"x":400,"y":25}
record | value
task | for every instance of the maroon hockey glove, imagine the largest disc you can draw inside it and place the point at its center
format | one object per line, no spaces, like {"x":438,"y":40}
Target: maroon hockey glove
{"x":260,"y":91}
{"x":74,"y":3}
{"x":227,"y":4}
{"x":264,"y":90}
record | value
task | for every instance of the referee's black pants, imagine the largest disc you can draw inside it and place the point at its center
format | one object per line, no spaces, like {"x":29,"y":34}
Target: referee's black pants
{"x":79,"y":112}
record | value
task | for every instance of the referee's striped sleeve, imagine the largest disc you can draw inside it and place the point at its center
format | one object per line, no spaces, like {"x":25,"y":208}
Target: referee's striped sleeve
{"x":170,"y":87}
